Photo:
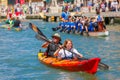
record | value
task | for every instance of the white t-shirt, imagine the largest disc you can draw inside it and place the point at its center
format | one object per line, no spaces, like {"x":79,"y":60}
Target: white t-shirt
{"x":114,"y":4}
{"x":18,"y":9}
{"x":62,"y":53}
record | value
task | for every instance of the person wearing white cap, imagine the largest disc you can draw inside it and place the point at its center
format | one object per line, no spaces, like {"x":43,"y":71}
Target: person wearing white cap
{"x":53,"y":46}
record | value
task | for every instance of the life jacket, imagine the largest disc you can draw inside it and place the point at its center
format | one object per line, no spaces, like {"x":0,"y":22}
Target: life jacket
{"x":11,"y":23}
{"x":66,"y":56}
{"x":52,"y":47}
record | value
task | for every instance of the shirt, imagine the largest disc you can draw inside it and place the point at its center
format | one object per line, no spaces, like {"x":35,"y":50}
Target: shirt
{"x":65,"y":53}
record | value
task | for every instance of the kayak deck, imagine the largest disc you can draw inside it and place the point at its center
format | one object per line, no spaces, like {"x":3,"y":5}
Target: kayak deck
{"x":9,"y":28}
{"x":89,"y":66}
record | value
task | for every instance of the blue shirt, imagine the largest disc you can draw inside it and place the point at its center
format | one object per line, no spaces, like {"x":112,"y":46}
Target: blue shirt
{"x":65,"y":15}
{"x":99,"y":18}
{"x":62,"y":24}
{"x":90,"y":27}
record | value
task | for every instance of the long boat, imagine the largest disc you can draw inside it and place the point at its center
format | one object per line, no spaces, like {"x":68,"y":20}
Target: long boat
{"x":103,"y":33}
{"x":97,"y":33}
{"x":89,"y":66}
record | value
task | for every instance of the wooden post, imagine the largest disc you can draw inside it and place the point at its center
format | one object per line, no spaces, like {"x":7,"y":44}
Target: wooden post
{"x":112,"y":20}
{"x":107,"y":20}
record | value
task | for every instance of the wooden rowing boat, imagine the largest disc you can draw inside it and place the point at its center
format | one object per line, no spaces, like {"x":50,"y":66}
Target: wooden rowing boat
{"x":97,"y":34}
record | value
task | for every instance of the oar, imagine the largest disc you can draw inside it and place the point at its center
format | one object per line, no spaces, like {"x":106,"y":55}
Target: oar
{"x":63,"y":29}
{"x":43,"y":37}
{"x":36,"y":29}
{"x":55,"y":29}
{"x":40,"y":37}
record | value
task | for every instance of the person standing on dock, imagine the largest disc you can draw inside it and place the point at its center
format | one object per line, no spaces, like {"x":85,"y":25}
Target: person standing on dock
{"x":114,"y":6}
{"x":65,"y":14}
{"x":99,"y":21}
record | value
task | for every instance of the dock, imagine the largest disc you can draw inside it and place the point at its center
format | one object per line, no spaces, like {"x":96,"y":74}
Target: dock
{"x":56,"y":17}
{"x":108,"y":16}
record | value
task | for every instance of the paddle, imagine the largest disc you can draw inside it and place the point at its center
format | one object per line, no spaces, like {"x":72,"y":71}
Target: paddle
{"x":36,"y":29}
{"x":41,"y":36}
{"x":55,"y":29}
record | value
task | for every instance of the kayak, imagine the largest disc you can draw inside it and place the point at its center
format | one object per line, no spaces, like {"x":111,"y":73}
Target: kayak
{"x":89,"y":66}
{"x":6,"y":26}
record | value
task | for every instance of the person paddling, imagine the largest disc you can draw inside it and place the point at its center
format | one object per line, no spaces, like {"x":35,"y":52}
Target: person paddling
{"x":53,"y":46}
{"x":17,"y":23}
{"x":67,"y":51}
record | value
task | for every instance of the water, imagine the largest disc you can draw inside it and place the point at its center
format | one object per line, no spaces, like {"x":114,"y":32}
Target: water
{"x":18,"y":55}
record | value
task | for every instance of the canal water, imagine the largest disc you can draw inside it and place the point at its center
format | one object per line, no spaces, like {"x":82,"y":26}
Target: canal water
{"x":18,"y":55}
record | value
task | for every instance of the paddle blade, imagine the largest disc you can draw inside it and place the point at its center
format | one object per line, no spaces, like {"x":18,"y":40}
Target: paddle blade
{"x":103,"y":66}
{"x":55,"y":29}
{"x":33,"y":27}
{"x":39,"y":37}
{"x":36,"y":29}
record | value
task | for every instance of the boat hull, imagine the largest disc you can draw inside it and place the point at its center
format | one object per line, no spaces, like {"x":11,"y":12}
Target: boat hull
{"x":97,"y":34}
{"x":8,"y":28}
{"x":89,"y":66}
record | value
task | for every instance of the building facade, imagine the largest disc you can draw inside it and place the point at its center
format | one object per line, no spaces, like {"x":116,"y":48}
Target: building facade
{"x":3,"y":2}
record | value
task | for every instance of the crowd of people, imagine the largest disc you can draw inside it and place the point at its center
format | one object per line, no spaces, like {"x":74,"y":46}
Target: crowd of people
{"x":101,"y":5}
{"x":79,"y":24}
{"x":36,"y":8}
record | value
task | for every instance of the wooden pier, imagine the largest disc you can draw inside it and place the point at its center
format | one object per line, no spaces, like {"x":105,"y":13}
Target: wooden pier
{"x":51,"y":17}
{"x":108,"y":16}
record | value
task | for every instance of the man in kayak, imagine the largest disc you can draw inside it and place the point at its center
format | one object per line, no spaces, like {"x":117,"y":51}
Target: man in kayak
{"x":53,"y":46}
{"x":17,"y":23}
{"x":67,"y":51}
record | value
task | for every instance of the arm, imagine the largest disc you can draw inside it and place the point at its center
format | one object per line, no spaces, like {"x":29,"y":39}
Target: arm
{"x":20,"y":25}
{"x":79,"y":54}
{"x":56,"y":52}
{"x":45,"y":45}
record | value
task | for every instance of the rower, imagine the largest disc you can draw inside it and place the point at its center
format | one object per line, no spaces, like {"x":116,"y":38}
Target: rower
{"x":17,"y":23}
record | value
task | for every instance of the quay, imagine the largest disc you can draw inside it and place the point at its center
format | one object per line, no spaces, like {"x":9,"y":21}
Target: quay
{"x":51,"y":17}
{"x":56,"y":17}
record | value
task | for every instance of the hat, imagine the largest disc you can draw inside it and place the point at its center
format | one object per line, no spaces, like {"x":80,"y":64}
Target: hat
{"x":56,"y":35}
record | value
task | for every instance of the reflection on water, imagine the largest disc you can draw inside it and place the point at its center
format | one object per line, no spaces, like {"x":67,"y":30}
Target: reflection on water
{"x":18,"y":55}
{"x":76,"y":76}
